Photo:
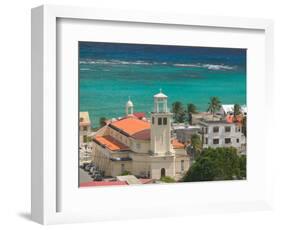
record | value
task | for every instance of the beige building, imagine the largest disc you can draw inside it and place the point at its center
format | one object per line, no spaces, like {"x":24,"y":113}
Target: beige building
{"x":141,"y":147}
{"x":84,"y":126}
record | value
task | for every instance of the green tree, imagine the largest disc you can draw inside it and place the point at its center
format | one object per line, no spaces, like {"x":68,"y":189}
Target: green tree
{"x":214,"y":105}
{"x":178,"y":112}
{"x":196,"y":145}
{"x":191,"y":108}
{"x":102,"y":121}
{"x":217,"y":164}
{"x":236,"y":111}
{"x":243,"y":166}
{"x":203,"y":170}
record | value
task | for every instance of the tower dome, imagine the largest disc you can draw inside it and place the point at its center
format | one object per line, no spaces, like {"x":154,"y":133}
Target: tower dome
{"x":160,"y":102}
{"x":129,"y":107}
{"x":129,"y":103}
{"x":160,"y":95}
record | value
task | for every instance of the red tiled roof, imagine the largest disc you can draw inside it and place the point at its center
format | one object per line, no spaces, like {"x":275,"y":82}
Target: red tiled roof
{"x":231,"y":119}
{"x":142,"y":135}
{"x":102,"y":183}
{"x":111,"y":143}
{"x":139,"y":115}
{"x":177,"y":145}
{"x":131,"y":125}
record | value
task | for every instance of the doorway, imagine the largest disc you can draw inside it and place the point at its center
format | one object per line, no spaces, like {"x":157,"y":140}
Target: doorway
{"x":163,"y":172}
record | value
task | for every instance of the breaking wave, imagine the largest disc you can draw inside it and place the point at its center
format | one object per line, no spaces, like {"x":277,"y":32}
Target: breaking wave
{"x":184,"y":65}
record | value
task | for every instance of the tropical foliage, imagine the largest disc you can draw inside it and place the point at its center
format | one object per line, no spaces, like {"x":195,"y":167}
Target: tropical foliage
{"x":217,"y":164}
{"x":195,"y":147}
{"x":214,"y":105}
{"x":236,"y":111}
{"x":178,"y":111}
{"x":191,"y":108}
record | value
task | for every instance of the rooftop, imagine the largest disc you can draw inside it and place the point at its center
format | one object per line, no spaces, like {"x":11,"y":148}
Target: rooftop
{"x":102,"y":183}
{"x":160,"y":95}
{"x":130,"y":125}
{"x":139,"y":115}
{"x":232,"y":119}
{"x":110,"y":143}
{"x":229,"y":108}
{"x":177,"y":145}
{"x":142,"y":135}
{"x":215,"y":122}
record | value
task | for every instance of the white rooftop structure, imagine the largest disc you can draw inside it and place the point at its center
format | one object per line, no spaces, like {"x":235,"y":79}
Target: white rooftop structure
{"x":129,"y":103}
{"x":229,"y":108}
{"x":129,"y":107}
{"x":160,"y":95}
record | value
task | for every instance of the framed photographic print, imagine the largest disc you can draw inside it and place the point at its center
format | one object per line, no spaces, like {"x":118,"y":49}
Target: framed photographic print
{"x":138,"y":114}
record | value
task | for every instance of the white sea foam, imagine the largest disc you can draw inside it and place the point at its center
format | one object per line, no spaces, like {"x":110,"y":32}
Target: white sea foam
{"x":140,"y":62}
{"x":187,"y":65}
{"x":218,"y":67}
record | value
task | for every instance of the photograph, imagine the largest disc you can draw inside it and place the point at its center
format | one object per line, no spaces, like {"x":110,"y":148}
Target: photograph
{"x":158,"y":114}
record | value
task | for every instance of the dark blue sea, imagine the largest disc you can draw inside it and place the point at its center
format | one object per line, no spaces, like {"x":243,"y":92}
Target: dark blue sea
{"x":111,"y":72}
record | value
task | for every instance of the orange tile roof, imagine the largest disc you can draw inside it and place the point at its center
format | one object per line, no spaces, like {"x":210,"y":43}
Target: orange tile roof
{"x":231,"y":118}
{"x":111,"y":143}
{"x":177,"y":145}
{"x":131,"y":125}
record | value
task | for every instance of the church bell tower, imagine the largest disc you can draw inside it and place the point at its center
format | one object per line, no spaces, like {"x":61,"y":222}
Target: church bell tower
{"x":160,"y":134}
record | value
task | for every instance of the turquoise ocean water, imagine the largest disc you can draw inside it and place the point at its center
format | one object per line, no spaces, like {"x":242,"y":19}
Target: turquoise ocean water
{"x":109,"y":73}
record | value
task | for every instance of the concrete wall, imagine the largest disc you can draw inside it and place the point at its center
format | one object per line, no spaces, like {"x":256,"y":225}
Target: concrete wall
{"x":234,"y":134}
{"x":116,"y":167}
{"x":139,"y":146}
{"x":157,"y":163}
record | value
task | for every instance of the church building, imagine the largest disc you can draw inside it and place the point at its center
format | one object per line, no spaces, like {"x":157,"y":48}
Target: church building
{"x":139,"y":146}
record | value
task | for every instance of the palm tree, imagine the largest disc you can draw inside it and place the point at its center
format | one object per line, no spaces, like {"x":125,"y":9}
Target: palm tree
{"x":178,"y":111}
{"x":214,"y":105}
{"x":195,"y":146}
{"x":236,"y":110}
{"x":191,"y":108}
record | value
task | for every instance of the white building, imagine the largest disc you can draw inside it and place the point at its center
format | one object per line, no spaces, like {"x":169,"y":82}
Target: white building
{"x":184,"y":132}
{"x":222,"y":134}
{"x":229,"y":110}
{"x":143,"y":148}
{"x":84,"y":127}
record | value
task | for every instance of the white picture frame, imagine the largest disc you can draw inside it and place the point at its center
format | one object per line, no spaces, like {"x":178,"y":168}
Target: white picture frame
{"x":46,"y":164}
